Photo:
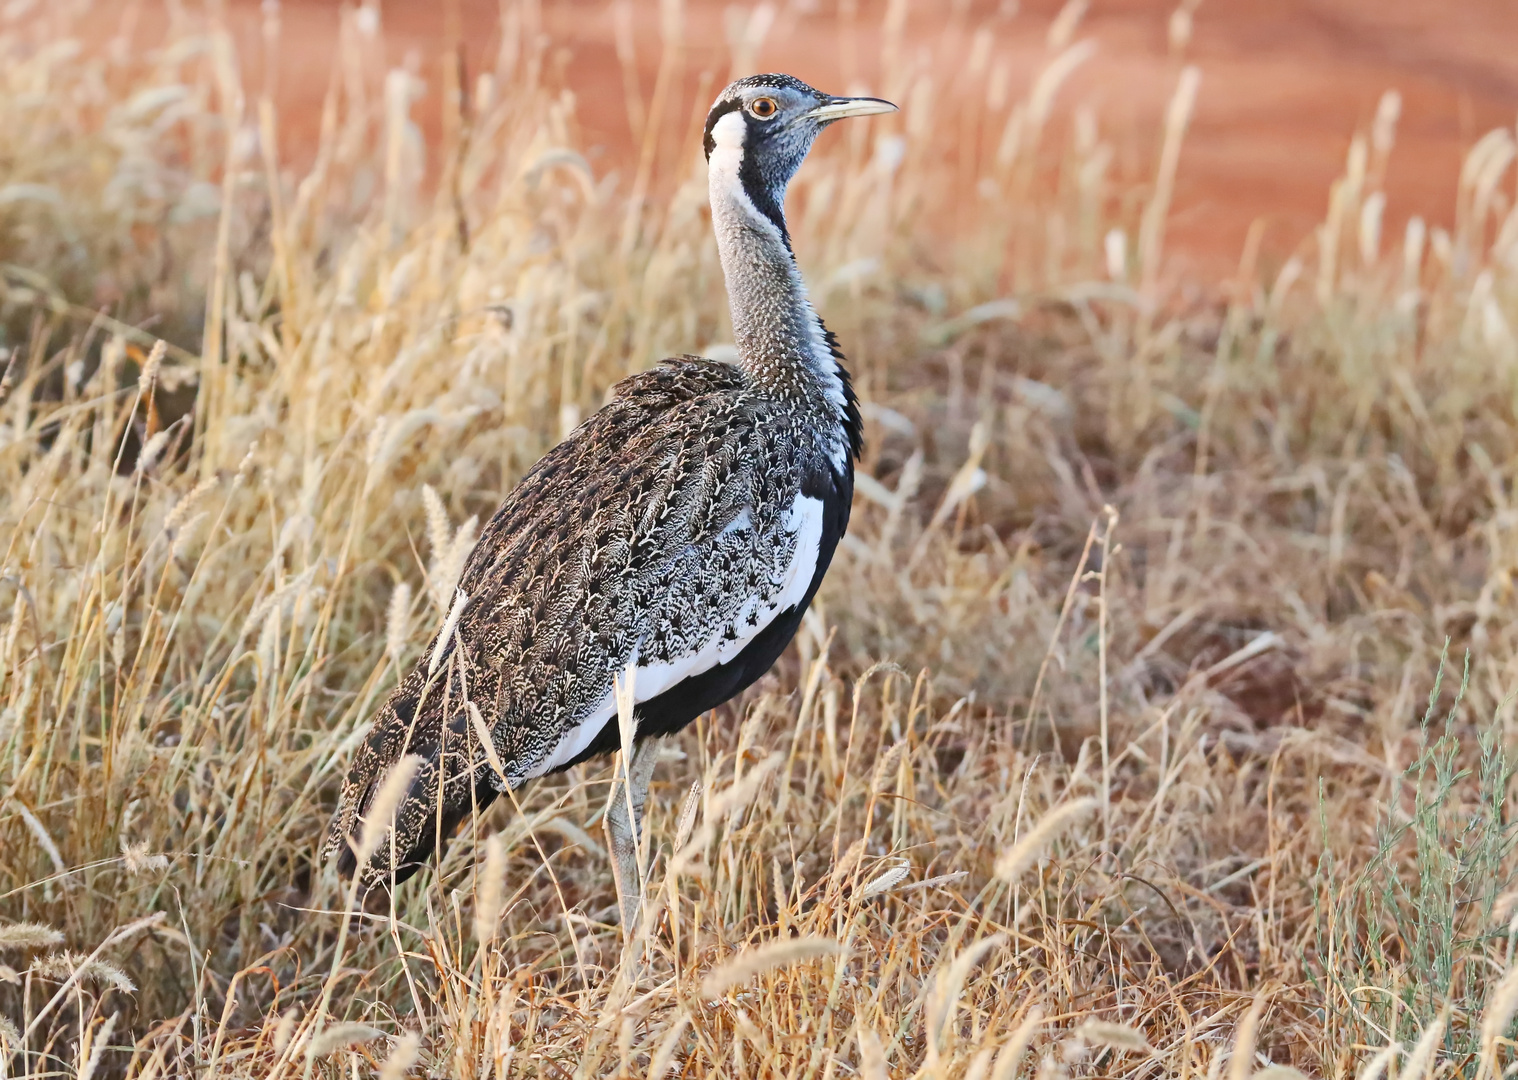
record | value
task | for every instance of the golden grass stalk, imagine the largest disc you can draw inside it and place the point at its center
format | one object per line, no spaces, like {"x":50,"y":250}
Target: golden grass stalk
{"x":1021,"y":855}
{"x":762,"y":958}
{"x":383,"y":805}
{"x":664,"y":1057}
{"x":341,"y":1037}
{"x":455,"y":611}
{"x":1421,"y":1059}
{"x":1114,"y":1036}
{"x":492,"y":889}
{"x":18,"y":936}
{"x":401,"y":1057}
{"x":1010,"y":1056}
{"x":1156,"y":214}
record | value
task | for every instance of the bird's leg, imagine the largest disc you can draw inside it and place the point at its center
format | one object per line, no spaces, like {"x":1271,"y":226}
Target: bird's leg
{"x":623,"y":830}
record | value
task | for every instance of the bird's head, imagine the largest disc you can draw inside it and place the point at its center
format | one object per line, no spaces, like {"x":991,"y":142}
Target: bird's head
{"x":761,"y":127}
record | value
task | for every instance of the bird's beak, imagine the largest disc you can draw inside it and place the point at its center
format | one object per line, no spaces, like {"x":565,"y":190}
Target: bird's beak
{"x":840,"y":108}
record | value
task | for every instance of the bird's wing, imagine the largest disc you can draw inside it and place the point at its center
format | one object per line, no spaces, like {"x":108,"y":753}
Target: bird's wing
{"x":709,"y":614}
{"x":666,"y":533}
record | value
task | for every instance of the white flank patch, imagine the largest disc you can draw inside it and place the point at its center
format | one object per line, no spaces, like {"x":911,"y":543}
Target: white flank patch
{"x":804,"y":519}
{"x":827,"y":365}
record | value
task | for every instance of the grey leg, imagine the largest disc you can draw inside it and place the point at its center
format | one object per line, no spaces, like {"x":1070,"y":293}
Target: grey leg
{"x":623,"y":832}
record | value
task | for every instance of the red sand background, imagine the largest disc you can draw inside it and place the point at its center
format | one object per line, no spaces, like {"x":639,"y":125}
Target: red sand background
{"x":1285,"y":83}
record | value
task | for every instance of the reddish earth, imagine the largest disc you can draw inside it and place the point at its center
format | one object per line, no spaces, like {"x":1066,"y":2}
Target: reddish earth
{"x":1285,"y":83}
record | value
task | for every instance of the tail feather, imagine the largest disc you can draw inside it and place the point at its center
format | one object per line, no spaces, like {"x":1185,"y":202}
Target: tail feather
{"x":451,"y":782}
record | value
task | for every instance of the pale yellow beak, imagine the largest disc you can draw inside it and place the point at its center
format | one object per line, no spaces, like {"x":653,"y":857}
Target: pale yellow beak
{"x":841,"y":108}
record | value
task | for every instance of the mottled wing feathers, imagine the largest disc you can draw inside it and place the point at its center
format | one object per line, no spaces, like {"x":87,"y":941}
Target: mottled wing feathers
{"x":668,"y":520}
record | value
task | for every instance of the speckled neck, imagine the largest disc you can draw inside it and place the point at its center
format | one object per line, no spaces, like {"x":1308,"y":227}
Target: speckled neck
{"x":780,"y":340}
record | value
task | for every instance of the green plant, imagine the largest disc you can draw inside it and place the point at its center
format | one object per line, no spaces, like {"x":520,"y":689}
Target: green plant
{"x":1409,"y":938}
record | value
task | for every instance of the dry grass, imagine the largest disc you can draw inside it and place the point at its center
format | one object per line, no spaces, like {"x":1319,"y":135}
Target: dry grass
{"x":1099,"y":755}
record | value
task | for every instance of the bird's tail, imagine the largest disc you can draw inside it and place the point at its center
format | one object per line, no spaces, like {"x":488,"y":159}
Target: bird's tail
{"x":449,"y":783}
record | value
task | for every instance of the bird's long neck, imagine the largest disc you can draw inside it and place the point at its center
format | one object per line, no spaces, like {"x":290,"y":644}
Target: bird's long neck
{"x":781,"y":342}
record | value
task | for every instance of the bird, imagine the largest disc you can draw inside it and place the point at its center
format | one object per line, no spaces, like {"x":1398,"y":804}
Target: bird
{"x":671,"y":542}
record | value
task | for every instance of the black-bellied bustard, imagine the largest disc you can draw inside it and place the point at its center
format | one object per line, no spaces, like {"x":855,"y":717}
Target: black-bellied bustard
{"x":675,"y":536}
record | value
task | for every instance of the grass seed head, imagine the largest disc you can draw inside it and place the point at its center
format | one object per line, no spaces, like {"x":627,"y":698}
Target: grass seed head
{"x":100,"y":1038}
{"x":492,"y":890}
{"x":762,"y":958}
{"x":872,"y":1059}
{"x":1010,"y":1057}
{"x":402,"y":1056}
{"x":149,"y":377}
{"x":62,"y":966}
{"x":17,"y":936}
{"x":1021,"y":855}
{"x":341,"y":1037}
{"x":1114,"y":1036}
{"x":284,"y":1031}
{"x":397,"y":617}
{"x":383,"y":806}
{"x":1500,"y":1009}
{"x":139,"y":860}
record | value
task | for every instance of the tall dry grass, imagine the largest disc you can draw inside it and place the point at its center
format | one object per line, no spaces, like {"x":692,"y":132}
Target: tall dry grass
{"x":1100,"y":753}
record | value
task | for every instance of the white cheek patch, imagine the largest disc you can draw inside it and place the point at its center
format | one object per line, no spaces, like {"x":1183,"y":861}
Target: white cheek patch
{"x":729,"y":200}
{"x":727,"y":158}
{"x":729,"y":133}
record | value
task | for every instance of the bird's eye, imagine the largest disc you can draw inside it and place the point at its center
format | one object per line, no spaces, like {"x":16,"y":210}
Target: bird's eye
{"x":763,"y":108}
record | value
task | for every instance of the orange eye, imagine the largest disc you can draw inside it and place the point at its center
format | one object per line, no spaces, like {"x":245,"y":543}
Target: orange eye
{"x":764,"y":108}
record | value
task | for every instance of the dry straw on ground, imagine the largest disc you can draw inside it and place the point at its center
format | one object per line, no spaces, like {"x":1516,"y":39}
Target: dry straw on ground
{"x":1138,"y":607}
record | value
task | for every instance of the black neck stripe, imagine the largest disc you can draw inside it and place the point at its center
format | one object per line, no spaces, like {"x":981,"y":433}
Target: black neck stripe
{"x":759,"y":193}
{"x":765,"y":197}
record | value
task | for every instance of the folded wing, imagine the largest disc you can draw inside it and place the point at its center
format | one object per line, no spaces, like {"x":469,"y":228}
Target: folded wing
{"x":670,"y":532}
